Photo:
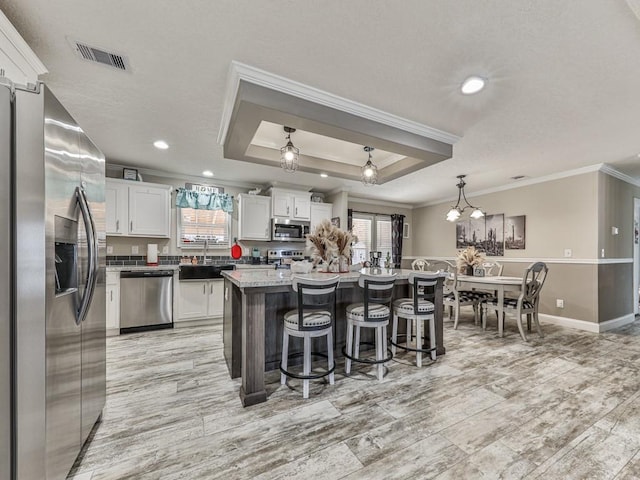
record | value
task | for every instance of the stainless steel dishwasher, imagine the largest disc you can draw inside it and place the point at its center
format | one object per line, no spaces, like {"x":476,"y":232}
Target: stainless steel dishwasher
{"x":146,"y":300}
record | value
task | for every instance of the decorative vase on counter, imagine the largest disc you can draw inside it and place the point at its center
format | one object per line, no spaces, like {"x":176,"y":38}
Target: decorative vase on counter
{"x":334,"y":266}
{"x":343,"y":264}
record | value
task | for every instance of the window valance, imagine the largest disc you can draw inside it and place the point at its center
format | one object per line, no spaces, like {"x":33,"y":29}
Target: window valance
{"x":204,"y":201}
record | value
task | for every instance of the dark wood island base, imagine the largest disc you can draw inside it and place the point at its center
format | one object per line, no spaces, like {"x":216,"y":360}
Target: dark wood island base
{"x":254,"y":305}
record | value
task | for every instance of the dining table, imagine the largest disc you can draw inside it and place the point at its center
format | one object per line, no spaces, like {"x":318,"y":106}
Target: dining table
{"x":498,"y":284}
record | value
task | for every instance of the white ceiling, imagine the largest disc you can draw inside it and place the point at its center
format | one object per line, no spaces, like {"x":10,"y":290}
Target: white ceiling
{"x":563,"y":88}
{"x":272,"y":136}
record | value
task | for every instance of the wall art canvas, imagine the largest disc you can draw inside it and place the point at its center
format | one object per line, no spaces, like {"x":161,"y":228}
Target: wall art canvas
{"x":514,"y":232}
{"x":494,"y":243}
{"x":470,"y":232}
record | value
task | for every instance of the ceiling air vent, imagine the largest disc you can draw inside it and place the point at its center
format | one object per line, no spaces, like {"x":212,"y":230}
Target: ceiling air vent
{"x":99,"y":55}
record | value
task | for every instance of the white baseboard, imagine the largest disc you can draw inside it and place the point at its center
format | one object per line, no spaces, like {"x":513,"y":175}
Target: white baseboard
{"x":587,"y":326}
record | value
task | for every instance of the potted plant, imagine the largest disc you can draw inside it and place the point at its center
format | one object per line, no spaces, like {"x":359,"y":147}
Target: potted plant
{"x":467,"y":259}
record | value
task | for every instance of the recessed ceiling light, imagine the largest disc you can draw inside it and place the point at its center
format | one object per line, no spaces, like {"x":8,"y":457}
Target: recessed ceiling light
{"x":161,"y":144}
{"x":324,"y":175}
{"x":472,"y":84}
{"x":207,"y":173}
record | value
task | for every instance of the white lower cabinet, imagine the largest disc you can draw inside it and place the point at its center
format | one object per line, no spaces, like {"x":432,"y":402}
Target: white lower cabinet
{"x":200,"y":299}
{"x":113,"y":303}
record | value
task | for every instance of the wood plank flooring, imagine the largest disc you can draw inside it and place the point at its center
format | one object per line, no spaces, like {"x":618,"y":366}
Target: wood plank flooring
{"x":563,"y":407}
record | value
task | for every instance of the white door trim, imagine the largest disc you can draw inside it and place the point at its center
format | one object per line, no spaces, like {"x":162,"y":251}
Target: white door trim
{"x":636,"y":254}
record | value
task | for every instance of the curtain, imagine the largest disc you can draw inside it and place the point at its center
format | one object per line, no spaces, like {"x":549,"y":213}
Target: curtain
{"x":350,"y":219}
{"x":397,"y":226}
{"x":204,"y":201}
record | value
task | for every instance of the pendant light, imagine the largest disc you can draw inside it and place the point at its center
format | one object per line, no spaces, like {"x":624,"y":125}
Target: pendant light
{"x":289,"y":154}
{"x":455,"y":212}
{"x":369,"y":170}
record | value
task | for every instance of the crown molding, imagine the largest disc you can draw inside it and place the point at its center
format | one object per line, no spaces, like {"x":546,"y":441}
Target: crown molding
{"x":522,"y":183}
{"x":190,"y":178}
{"x":609,"y":170}
{"x":21,"y":50}
{"x":373,"y":201}
{"x":242,"y":72}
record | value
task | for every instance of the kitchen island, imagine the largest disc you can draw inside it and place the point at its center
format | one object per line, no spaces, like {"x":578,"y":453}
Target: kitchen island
{"x":254,"y":305}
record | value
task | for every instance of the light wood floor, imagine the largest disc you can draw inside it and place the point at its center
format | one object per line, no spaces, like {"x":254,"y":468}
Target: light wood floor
{"x":566,"y":406}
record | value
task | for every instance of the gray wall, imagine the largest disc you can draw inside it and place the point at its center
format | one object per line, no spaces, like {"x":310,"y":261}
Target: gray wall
{"x":560,"y":214}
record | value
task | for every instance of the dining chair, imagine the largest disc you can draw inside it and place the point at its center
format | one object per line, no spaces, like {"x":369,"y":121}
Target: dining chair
{"x":374,"y":312}
{"x":418,"y":308}
{"x":452,"y":297}
{"x":492,"y":268}
{"x":419,"y":264}
{"x":313,"y":318}
{"x":527,"y":302}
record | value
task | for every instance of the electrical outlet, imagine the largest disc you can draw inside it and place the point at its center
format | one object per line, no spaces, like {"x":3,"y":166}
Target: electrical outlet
{"x":165,"y":249}
{"x":559,"y":303}
{"x":602,"y":253}
{"x":567,"y":252}
{"x":109,"y":249}
{"x":614,"y":230}
{"x":134,"y":250}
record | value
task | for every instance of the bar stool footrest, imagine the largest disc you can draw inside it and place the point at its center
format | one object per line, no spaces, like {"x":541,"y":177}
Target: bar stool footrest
{"x":367,"y":360}
{"x":410,"y":349}
{"x":314,"y":376}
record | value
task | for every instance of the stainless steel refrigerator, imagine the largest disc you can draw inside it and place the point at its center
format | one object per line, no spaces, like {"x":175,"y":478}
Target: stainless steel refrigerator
{"x":52,"y":288}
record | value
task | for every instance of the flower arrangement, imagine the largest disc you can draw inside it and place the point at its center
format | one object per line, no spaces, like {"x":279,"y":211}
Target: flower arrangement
{"x":330,"y":245}
{"x":468,"y":258}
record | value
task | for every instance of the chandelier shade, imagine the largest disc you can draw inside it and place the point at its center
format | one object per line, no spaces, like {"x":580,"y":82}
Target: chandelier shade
{"x":456,"y":212}
{"x":369,"y":174}
{"x":289,"y":154}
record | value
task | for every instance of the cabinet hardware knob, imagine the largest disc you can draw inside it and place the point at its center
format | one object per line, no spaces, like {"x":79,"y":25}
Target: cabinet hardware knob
{"x":204,"y":289}
{"x":132,"y":225}
{"x":117,"y":225}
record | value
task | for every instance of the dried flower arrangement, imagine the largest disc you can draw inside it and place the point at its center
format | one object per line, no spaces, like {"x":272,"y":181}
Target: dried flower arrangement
{"x":469,"y":257}
{"x":328,"y":244}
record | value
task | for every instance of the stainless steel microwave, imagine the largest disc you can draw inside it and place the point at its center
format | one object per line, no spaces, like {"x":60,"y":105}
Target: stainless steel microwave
{"x":286,"y":230}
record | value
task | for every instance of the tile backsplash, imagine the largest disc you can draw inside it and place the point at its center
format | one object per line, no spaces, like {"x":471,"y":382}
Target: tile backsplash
{"x":140,"y":260}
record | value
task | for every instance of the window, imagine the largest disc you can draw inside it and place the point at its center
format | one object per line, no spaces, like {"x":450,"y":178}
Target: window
{"x":373,"y":233}
{"x":196,"y":226}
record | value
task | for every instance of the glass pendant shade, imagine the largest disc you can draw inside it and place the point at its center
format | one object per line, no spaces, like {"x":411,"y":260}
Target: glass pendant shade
{"x":369,"y":174}
{"x":289,"y":154}
{"x":477,"y":213}
{"x":456,"y":212}
{"x":453,"y":214}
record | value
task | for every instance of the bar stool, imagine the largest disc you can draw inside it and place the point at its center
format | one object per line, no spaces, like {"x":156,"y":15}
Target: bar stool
{"x":313,"y":318}
{"x":419,"y":308}
{"x":375,"y":313}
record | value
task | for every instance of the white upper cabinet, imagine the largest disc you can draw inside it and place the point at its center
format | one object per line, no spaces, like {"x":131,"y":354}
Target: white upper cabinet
{"x":290,"y":204}
{"x":254,"y":217}
{"x":138,"y":209}
{"x":117,"y":201}
{"x":320,"y":212}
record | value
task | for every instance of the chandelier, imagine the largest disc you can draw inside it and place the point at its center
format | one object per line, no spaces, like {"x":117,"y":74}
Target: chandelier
{"x":369,"y":170}
{"x":455,"y":212}
{"x":289,"y":154}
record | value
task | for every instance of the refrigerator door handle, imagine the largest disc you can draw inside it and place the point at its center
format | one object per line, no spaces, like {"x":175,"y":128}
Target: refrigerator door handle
{"x":92,"y":251}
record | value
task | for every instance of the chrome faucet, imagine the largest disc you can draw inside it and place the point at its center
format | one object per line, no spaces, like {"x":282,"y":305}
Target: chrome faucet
{"x":204,"y":251}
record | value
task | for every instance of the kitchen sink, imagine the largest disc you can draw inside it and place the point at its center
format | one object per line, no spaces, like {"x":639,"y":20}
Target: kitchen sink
{"x":202,"y":272}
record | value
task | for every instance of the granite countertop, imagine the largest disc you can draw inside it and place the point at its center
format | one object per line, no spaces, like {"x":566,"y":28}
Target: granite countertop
{"x":273,"y":278}
{"x":140,"y":268}
{"x":250,"y":266}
